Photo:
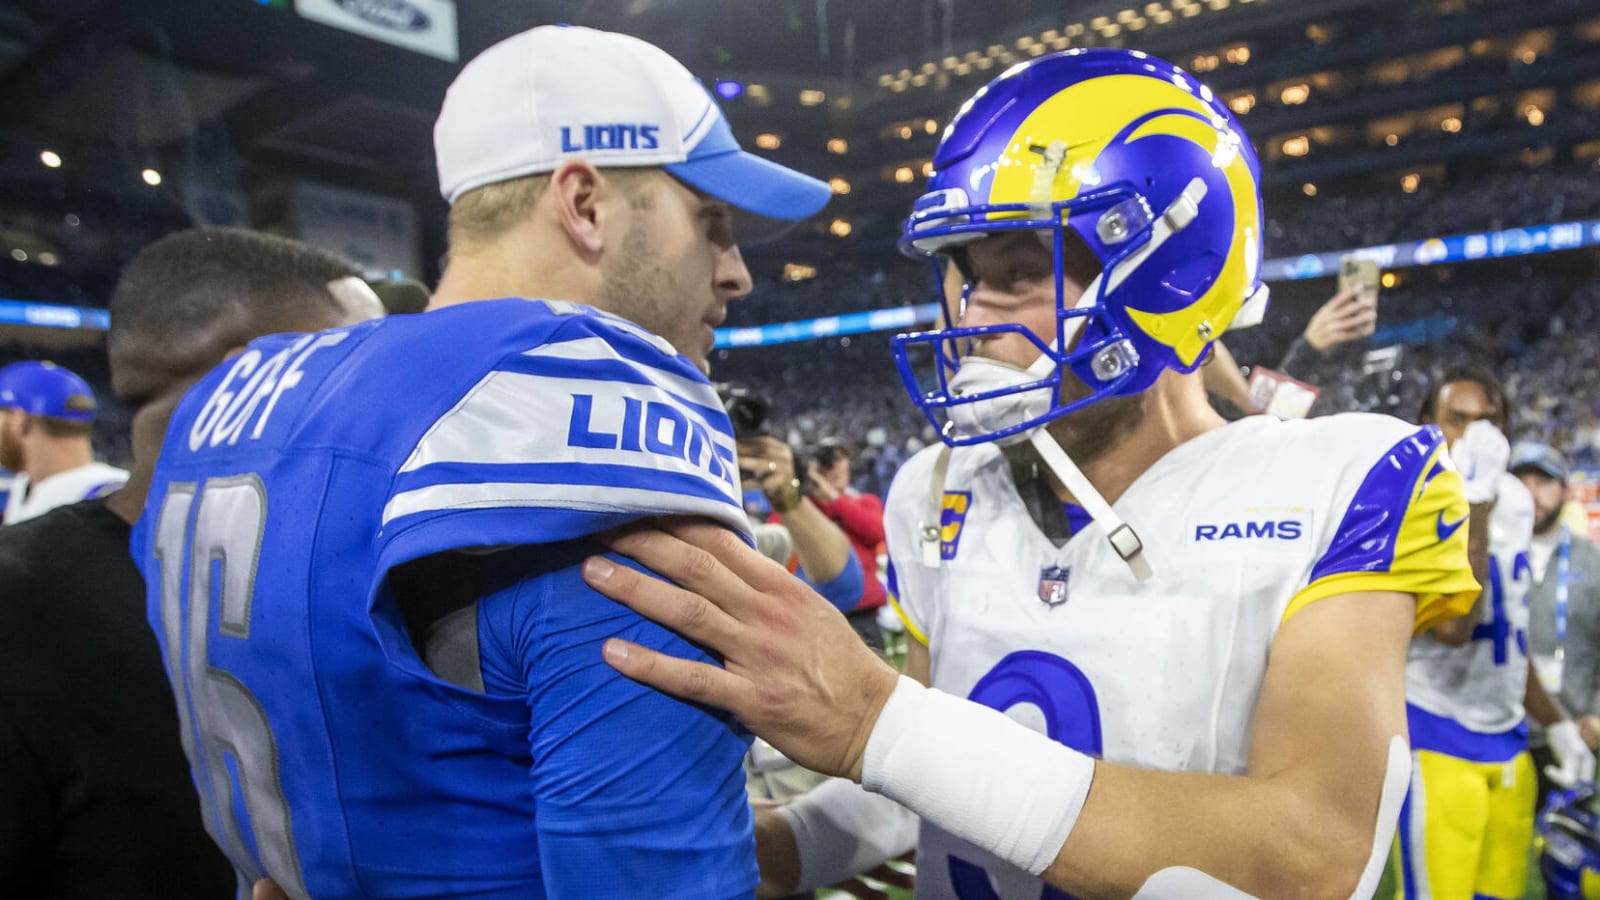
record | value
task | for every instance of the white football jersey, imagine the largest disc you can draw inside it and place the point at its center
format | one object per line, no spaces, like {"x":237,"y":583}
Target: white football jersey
{"x":1243,"y":526}
{"x":1480,"y":684}
{"x":27,"y":499}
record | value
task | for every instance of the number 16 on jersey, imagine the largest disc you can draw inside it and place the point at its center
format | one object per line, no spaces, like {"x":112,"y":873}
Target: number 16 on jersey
{"x":207,"y":543}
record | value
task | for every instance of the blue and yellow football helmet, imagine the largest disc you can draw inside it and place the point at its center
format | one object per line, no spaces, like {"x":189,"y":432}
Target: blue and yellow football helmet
{"x":1144,"y":165}
{"x":1569,"y":829}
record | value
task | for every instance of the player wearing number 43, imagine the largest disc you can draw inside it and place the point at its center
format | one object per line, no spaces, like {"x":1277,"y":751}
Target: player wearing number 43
{"x":1200,"y":628}
{"x":1466,"y":826}
{"x":363,"y":544}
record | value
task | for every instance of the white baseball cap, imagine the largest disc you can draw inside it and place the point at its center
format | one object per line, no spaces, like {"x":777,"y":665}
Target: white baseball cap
{"x":557,"y":92}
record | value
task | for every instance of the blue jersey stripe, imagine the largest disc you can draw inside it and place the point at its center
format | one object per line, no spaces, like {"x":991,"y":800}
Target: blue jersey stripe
{"x":1365,"y":540}
{"x":598,"y":475}
{"x":610,"y":370}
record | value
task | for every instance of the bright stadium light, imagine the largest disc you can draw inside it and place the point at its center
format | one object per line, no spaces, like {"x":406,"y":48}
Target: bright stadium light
{"x":1309,"y":189}
{"x":838,"y":185}
{"x":768,"y":141}
{"x":729,"y":90}
{"x":904,"y":175}
{"x":151,"y":177}
{"x":838,"y":146}
{"x":840,"y":228}
{"x":1410,"y":182}
{"x":50,"y":158}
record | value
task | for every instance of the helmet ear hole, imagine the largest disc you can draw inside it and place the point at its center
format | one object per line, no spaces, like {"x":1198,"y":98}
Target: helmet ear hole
{"x":1193,"y":278}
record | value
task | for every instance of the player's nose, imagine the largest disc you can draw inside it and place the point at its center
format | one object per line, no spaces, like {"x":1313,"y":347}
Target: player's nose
{"x":732,"y":277}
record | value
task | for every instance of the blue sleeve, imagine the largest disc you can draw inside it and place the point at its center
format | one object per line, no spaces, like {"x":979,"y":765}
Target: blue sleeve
{"x":637,"y":794}
{"x":844,"y":590}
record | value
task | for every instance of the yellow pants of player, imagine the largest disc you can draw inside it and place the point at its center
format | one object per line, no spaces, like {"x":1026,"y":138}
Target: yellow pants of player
{"x":1465,"y":829}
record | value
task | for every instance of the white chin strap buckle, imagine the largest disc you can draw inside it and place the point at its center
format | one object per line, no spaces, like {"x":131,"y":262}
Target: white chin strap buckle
{"x":1124,"y":540}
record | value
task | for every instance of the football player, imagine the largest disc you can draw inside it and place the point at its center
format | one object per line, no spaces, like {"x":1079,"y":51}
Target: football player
{"x":1155,"y":655}
{"x":362,"y":544}
{"x":46,"y":419}
{"x":1468,"y":821}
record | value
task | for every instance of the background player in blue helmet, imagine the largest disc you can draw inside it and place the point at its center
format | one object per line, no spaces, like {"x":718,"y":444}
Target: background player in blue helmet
{"x":46,"y":419}
{"x":1200,"y":627}
{"x":363,"y":544}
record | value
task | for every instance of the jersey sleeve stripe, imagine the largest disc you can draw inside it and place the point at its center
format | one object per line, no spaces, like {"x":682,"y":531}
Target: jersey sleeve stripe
{"x":1406,"y":536}
{"x":634,"y":502}
{"x":682,"y":380}
{"x":602,"y":476}
{"x":1366,"y":538}
{"x":893,"y":595}
{"x":513,"y":417}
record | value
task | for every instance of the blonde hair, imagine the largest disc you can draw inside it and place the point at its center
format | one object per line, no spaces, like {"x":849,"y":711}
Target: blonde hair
{"x":485,"y":213}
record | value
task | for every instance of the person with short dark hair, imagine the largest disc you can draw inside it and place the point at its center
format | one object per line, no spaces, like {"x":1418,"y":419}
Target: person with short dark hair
{"x":46,"y":421}
{"x":96,"y":798}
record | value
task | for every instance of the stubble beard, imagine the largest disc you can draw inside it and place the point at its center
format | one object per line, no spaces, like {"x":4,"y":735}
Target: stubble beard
{"x":1089,"y":434}
{"x":10,"y":452}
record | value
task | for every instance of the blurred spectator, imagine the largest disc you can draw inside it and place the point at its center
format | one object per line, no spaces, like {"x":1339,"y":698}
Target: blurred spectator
{"x":820,"y":547}
{"x":1349,"y":315}
{"x":1564,"y":601}
{"x":46,"y":419}
{"x":861,"y":517}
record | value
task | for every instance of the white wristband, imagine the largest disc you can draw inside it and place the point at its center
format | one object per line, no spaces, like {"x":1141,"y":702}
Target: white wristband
{"x":977,"y":774}
{"x":842,"y":831}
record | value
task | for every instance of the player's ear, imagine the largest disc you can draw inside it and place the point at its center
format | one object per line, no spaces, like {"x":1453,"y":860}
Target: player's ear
{"x":575,"y":190}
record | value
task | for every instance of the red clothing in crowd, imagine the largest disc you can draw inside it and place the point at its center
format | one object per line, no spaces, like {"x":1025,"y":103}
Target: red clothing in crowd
{"x":861,"y":517}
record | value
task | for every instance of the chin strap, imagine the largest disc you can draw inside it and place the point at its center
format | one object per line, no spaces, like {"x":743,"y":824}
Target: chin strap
{"x":933,"y":511}
{"x":1124,"y":540}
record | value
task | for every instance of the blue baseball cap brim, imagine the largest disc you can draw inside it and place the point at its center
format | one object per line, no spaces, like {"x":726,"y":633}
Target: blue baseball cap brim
{"x":772,"y":196}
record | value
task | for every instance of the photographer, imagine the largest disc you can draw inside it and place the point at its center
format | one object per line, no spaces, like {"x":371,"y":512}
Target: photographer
{"x":860,"y":515}
{"x":821,"y":548}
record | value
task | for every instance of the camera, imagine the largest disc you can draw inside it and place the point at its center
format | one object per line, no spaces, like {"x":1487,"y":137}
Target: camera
{"x":747,"y":409}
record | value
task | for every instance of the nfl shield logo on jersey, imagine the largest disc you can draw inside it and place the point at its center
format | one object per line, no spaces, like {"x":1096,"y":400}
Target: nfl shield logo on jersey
{"x":1053,"y":586}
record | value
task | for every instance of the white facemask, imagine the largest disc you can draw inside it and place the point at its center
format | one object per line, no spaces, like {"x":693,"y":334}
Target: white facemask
{"x":978,"y":375}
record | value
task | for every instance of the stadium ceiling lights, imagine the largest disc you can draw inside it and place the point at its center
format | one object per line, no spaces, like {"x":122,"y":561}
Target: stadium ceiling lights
{"x":151,"y":177}
{"x":50,"y":159}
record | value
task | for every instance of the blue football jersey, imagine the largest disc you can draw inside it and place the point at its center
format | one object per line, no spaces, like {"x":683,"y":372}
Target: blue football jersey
{"x":299,"y":486}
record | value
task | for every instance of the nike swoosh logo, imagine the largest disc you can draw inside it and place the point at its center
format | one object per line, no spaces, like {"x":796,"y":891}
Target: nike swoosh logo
{"x":1446,"y":529}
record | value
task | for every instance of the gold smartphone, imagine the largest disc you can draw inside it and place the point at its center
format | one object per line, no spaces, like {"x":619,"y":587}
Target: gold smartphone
{"x":1362,"y":273}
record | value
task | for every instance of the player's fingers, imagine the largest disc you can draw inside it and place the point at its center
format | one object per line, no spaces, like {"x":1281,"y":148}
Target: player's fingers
{"x":692,"y":555}
{"x":737,"y":557}
{"x":666,"y":604}
{"x":1560,"y":776}
{"x":694,"y":681}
